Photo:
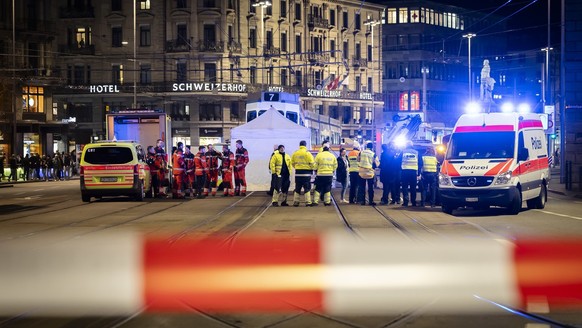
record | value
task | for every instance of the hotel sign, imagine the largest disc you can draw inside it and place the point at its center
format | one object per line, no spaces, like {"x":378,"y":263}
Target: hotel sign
{"x":209,"y":87}
{"x":104,"y":88}
{"x":337,"y":94}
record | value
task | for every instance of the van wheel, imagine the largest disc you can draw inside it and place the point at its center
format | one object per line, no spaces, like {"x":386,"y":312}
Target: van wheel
{"x":540,"y":201}
{"x":515,"y":207}
{"x":141,"y":192}
{"x":85,"y":198}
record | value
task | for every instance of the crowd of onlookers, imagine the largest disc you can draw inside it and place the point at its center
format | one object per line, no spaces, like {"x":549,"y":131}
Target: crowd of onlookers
{"x":59,"y":166}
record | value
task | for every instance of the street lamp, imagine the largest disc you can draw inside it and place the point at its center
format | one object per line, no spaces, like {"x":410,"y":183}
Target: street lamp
{"x":14,"y":116}
{"x":546,"y":85}
{"x":134,"y":54}
{"x":263,"y":5}
{"x":372,"y":22}
{"x":470,"y":36}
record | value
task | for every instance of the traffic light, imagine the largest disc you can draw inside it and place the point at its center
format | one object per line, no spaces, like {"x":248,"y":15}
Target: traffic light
{"x":556,"y":135}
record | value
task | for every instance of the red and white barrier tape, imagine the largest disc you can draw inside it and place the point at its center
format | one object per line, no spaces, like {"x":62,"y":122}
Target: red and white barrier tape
{"x":332,"y":273}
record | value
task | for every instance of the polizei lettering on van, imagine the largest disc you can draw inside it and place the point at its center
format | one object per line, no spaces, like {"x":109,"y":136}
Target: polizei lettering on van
{"x":204,"y":87}
{"x":474,"y":167}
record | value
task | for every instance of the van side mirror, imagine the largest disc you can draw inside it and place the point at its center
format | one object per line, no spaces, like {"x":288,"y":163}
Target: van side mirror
{"x":522,"y":154}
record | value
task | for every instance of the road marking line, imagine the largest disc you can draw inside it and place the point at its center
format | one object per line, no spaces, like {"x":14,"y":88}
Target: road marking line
{"x":38,"y":189}
{"x":19,"y":193}
{"x":562,"y":215}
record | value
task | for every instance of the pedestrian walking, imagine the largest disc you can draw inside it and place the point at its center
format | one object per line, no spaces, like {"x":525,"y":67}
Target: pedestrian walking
{"x":13,"y":162}
{"x":26,"y":167}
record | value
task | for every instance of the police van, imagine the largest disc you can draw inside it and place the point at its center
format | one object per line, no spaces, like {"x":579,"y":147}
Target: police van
{"x":495,"y":159}
{"x":111,"y":168}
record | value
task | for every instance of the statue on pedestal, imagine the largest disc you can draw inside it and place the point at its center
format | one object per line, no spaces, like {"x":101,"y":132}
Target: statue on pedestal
{"x":487,"y":82}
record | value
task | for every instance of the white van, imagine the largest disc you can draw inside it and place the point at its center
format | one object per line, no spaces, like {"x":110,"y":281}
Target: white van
{"x":495,"y":159}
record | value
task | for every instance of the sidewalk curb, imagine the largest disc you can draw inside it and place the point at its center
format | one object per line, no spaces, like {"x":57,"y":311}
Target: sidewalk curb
{"x":6,"y":185}
{"x":557,"y":192}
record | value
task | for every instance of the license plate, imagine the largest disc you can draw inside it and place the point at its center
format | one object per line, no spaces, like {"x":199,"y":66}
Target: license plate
{"x":471,"y":199}
{"x":108,"y":179}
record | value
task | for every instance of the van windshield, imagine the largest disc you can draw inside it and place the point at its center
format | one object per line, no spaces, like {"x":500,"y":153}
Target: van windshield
{"x":481,"y":145}
{"x":108,"y":155}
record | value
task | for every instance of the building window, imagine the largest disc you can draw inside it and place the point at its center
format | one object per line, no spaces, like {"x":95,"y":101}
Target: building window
{"x":117,"y":74}
{"x":391,"y":16}
{"x":346,"y":49}
{"x":359,"y":84}
{"x":318,"y":77}
{"x":210,"y":112}
{"x":415,"y":16}
{"x":145,"y":36}
{"x":356,"y":114}
{"x":269,"y":11}
{"x":182,"y":4}
{"x":181,"y":72}
{"x":283,"y":76}
{"x":116,"y":36}
{"x":209,"y":34}
{"x":253,"y":38}
{"x":370,"y":53}
{"x":210,"y":72}
{"x":144,"y":5}
{"x":284,"y":41}
{"x":298,"y":78}
{"x":145,"y":74}
{"x":358,"y":22}
{"x":370,"y":85}
{"x":369,"y":115}
{"x":332,"y":17}
{"x":209,"y":3}
{"x":269,"y":41}
{"x":298,"y":11}
{"x":284,"y":8}
{"x":33,"y":99}
{"x":181,"y":35}
{"x":115,"y":5}
{"x":345,"y":20}
{"x":83,"y":36}
{"x":298,"y":44}
{"x":403,"y":15}
{"x":253,"y":74}
{"x":234,"y":111}
{"x":332,"y":48}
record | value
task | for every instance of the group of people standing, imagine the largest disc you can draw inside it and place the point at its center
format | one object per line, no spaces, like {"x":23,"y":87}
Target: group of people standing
{"x":401,"y":170}
{"x":36,"y":167}
{"x":196,"y":175}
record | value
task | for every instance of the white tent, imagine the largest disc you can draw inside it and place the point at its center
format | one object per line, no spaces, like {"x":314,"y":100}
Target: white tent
{"x":260,"y":137}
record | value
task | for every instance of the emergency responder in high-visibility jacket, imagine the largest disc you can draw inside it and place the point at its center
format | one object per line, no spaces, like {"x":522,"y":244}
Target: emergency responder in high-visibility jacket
{"x":227,"y":167}
{"x":154,"y":170}
{"x":325,"y":165}
{"x":178,"y":170}
{"x":302,"y":161}
{"x":280,"y":166}
{"x":212,"y":157}
{"x":241,"y":158}
{"x":190,"y":175}
{"x":410,"y":174}
{"x":353,"y":172}
{"x":368,"y":162}
{"x":162,"y":164}
{"x":200,"y":171}
{"x":428,"y":167}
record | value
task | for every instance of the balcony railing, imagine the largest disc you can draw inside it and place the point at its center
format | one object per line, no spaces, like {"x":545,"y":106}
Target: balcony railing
{"x":210,"y":46}
{"x":234,"y":46}
{"x":178,"y":45}
{"x":73,"y":49}
{"x":316,"y":58}
{"x":271,"y":51}
{"x":358,"y":61}
{"x":72,"y":12}
{"x":318,"y":22}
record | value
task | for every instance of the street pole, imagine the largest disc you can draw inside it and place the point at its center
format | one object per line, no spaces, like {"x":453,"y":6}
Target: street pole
{"x":424,"y":71}
{"x":562,"y":92}
{"x":263,"y":5}
{"x":372,"y":23}
{"x":469,"y":36}
{"x":14,"y":116}
{"x":134,"y":54}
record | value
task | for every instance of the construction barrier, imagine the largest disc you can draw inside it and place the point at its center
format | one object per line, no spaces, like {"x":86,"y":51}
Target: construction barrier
{"x":334,"y":273}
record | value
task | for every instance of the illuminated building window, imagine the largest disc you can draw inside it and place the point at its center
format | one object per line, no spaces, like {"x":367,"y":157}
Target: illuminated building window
{"x":144,"y":5}
{"x":391,"y":16}
{"x":414,"y":16}
{"x":409,"y":100}
{"x":403,"y":15}
{"x":33,"y":99}
{"x":117,"y":74}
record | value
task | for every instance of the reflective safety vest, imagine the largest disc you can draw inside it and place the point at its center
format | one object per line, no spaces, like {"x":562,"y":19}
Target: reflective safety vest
{"x":410,"y":159}
{"x":429,"y":164}
{"x":276,"y":163}
{"x":302,"y":161}
{"x":325,"y":163}
{"x":353,"y":160}
{"x":368,"y":161}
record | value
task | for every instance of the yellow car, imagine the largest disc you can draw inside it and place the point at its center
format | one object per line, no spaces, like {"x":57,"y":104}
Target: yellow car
{"x":114,"y":168}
